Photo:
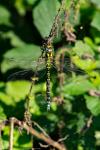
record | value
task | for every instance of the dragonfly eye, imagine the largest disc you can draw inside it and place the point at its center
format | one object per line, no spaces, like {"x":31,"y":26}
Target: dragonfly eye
{"x":48,"y":50}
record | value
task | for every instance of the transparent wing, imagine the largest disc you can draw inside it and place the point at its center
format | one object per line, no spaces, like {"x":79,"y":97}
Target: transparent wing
{"x":71,"y":67}
{"x":67,"y":66}
{"x":29,"y":66}
{"x":34,"y":66}
{"x":23,"y":74}
{"x":26,"y":63}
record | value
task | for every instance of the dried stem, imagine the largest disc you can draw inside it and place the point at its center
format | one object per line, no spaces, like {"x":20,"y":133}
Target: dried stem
{"x":53,"y":31}
{"x":40,"y":128}
{"x":41,"y":136}
{"x":27,"y":114}
{"x":87,"y":125}
{"x":11,"y":134}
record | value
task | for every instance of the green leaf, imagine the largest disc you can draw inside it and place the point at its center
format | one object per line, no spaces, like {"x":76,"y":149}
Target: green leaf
{"x":5,"y":137}
{"x":23,"y":57}
{"x":95,"y":78}
{"x":80,"y":122}
{"x":96,"y":35}
{"x":93,"y":104}
{"x":74,"y":14}
{"x":82,"y":48}
{"x":86,"y":65}
{"x":44,"y":14}
{"x":15,"y":40}
{"x":91,"y":43}
{"x":2,"y":114}
{"x":6,"y":99}
{"x":2,"y":85}
{"x":23,"y":141}
{"x":17,"y":89}
{"x":96,"y":21}
{"x":30,"y":2}
{"x":4,"y":16}
{"x":96,"y":2}
{"x":20,"y":6}
{"x":77,"y":86}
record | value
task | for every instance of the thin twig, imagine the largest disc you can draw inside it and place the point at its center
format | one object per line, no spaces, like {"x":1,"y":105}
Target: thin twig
{"x":52,"y":33}
{"x":87,"y":125}
{"x":63,"y":139}
{"x":11,"y":138}
{"x":40,"y":128}
{"x":27,"y":114}
{"x":41,"y":136}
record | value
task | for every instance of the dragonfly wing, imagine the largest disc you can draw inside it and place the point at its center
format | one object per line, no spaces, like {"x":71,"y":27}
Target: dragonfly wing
{"x":71,"y":67}
{"x":66,"y":66}
{"x":23,"y":74}
{"x":26,"y":63}
{"x":30,"y":72}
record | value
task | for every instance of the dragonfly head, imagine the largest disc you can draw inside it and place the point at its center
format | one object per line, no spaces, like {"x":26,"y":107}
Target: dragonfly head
{"x":47,"y":46}
{"x":49,"y":52}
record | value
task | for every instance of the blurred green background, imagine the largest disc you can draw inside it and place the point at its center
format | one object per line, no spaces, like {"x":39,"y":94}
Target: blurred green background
{"x":23,"y":26}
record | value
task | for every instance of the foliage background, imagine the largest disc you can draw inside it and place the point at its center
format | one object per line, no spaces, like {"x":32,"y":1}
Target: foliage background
{"x":23,"y":25}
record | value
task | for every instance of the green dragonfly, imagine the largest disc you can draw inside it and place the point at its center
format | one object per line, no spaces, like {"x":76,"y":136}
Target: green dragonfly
{"x":61,"y":62}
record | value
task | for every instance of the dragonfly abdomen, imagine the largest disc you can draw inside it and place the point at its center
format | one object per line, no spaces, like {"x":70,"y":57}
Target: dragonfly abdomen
{"x":48,"y":67}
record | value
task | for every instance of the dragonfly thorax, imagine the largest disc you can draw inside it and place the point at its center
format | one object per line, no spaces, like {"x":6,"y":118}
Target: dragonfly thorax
{"x":49,"y":55}
{"x":48,"y":49}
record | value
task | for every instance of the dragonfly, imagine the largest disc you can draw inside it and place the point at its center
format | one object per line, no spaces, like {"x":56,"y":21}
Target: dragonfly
{"x":48,"y":50}
{"x":45,"y":59}
{"x":61,"y":62}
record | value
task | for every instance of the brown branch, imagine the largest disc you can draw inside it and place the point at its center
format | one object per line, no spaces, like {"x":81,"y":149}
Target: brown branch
{"x":94,"y":93}
{"x":41,"y":136}
{"x":53,"y":31}
{"x":11,"y":134}
{"x":40,"y":128}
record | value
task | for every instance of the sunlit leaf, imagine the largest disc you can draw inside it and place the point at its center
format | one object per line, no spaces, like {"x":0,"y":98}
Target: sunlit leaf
{"x":77,"y":86}
{"x":19,"y":4}
{"x":90,"y":43}
{"x":96,"y":2}
{"x":87,"y":65}
{"x":5,"y":138}
{"x":82,"y":48}
{"x":2,"y":114}
{"x":80,"y":122}
{"x":14,"y":57}
{"x":17,"y":89}
{"x":44,"y":14}
{"x":93,"y":104}
{"x":4,"y":16}
{"x":6,"y":99}
{"x":30,"y":2}
{"x":23,"y":140}
{"x":96,"y":22}
{"x":95,"y":78}
{"x":15,"y":40}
